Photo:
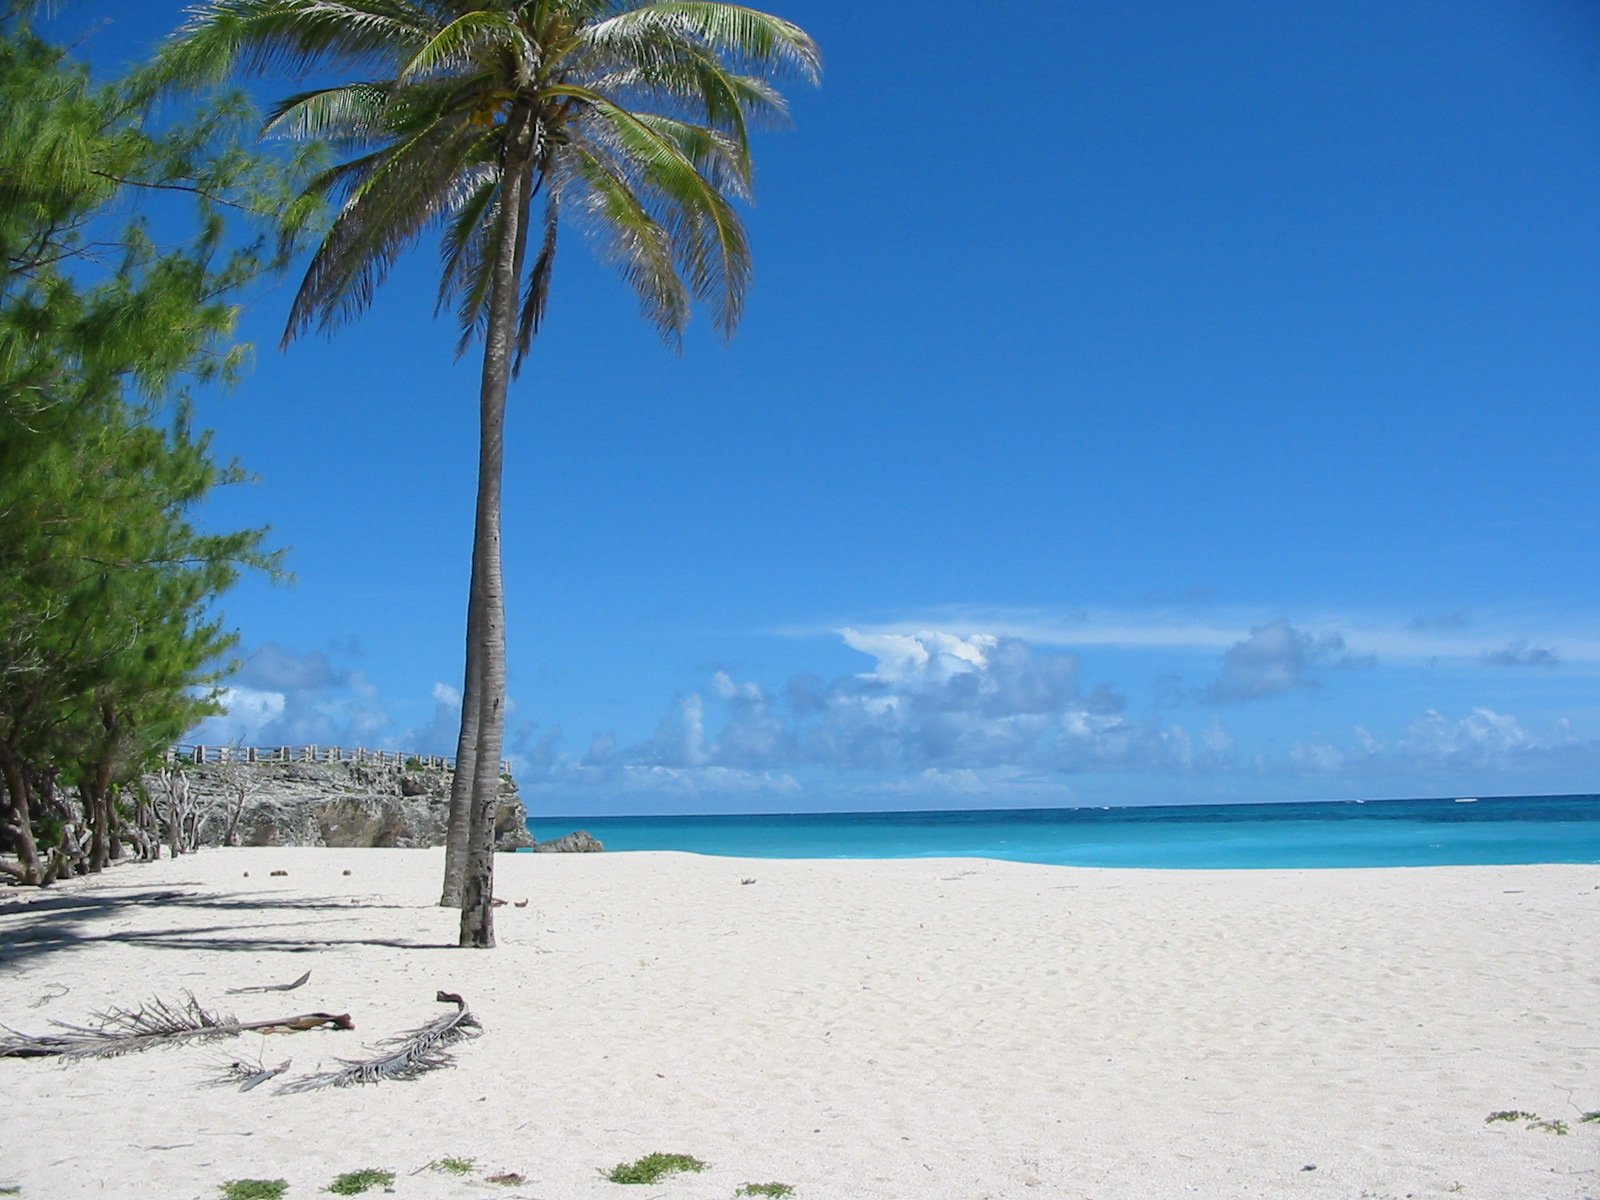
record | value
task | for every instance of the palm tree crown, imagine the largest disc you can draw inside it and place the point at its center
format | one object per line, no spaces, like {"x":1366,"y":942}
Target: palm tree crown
{"x":630,"y":118}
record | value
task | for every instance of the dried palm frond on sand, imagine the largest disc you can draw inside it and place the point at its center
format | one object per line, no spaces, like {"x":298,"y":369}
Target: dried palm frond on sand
{"x":157,"y":1023}
{"x":403,"y":1056}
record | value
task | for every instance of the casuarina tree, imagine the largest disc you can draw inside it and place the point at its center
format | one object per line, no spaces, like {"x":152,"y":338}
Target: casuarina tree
{"x":494,"y":123}
{"x":109,"y":640}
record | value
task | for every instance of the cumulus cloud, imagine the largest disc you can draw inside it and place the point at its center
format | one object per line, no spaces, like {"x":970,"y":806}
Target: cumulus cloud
{"x":244,"y":711}
{"x":930,"y":701}
{"x":442,"y":730}
{"x":1483,"y":737}
{"x":1521,"y":653}
{"x":1276,"y":658}
{"x":276,"y":668}
{"x":1483,"y":740}
{"x":284,"y":698}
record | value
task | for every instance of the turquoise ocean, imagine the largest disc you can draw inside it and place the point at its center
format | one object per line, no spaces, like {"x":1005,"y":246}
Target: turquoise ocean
{"x":1372,"y":833}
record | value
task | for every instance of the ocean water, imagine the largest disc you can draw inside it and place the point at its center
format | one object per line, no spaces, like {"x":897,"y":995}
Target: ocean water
{"x":1374,"y":833}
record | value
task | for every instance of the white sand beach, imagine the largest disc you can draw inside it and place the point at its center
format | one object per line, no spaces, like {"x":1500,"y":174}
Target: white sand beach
{"x":930,"y":1029}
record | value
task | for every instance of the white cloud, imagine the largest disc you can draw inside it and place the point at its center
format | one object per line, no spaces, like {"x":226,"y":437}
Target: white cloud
{"x":286,"y":698}
{"x":1484,"y":740}
{"x":1453,"y":635}
{"x":246,"y":711}
{"x":1274,"y":659}
{"x":921,"y":656}
{"x":932,"y":700}
{"x":1480,"y":737}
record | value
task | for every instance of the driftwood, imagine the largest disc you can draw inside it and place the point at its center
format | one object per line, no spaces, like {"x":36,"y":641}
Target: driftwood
{"x":403,"y":1056}
{"x":123,"y":1031}
{"x":272,"y":987}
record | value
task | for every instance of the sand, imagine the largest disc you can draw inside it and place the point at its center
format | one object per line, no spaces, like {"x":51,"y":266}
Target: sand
{"x":929,"y":1029}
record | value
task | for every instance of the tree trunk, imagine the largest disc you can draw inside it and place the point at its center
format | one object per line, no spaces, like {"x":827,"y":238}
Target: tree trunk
{"x":486,"y":607}
{"x":460,"y":827}
{"x":99,"y":814}
{"x":94,"y":817}
{"x":96,"y":795}
{"x":114,"y":822}
{"x":21,"y":825}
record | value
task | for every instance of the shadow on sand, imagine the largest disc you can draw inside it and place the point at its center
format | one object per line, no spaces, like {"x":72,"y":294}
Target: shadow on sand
{"x":35,"y":926}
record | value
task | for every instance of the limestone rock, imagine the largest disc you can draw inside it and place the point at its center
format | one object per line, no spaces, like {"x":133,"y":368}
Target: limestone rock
{"x":338,"y":804}
{"x":579,"y":842}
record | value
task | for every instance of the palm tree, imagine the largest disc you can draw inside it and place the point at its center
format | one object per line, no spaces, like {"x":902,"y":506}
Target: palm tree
{"x":628,"y":118}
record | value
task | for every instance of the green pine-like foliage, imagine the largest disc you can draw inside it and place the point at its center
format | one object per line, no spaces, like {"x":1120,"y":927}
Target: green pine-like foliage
{"x":109,"y":643}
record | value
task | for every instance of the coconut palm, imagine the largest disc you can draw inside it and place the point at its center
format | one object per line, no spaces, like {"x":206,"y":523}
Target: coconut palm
{"x":629,"y":119}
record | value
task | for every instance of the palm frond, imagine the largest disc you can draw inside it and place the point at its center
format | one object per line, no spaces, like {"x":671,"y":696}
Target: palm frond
{"x":157,"y":1023}
{"x":403,"y":1056}
{"x":708,"y":239}
{"x":464,"y":249}
{"x":537,"y":295}
{"x":764,"y":44}
{"x":246,"y":1074}
{"x":350,"y":112}
{"x":717,"y":157}
{"x":400,"y":191}
{"x":466,"y":40}
{"x":632,"y":239}
{"x":262,"y":36}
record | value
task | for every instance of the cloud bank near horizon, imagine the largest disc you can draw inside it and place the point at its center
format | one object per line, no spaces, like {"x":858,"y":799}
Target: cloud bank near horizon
{"x":974,"y":714}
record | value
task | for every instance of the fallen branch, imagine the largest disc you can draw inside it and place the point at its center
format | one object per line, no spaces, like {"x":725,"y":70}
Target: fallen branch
{"x":123,"y":1031}
{"x":411,"y":1053}
{"x":272,"y":987}
{"x":247,"y":1074}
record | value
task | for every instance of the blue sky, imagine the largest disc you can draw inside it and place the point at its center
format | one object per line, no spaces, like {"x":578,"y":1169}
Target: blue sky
{"x":1137,"y":403}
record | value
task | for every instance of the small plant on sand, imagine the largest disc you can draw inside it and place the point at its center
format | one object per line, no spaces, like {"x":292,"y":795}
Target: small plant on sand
{"x":653,"y":1168}
{"x":1558,"y":1127}
{"x":452,"y":1166}
{"x":11,"y":1189}
{"x":353,"y":1183}
{"x":1510,"y":1114}
{"x":255,"y":1189}
{"x":1590,"y":1118}
{"x":765,"y":1189}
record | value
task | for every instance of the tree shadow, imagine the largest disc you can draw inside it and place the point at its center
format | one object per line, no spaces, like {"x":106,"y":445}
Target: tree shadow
{"x":36,"y":927}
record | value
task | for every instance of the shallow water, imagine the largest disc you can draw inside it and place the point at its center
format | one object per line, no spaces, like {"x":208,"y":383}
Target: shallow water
{"x":1378,"y":833}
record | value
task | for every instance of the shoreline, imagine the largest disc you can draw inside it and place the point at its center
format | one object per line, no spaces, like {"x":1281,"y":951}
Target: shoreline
{"x":852,"y":1027}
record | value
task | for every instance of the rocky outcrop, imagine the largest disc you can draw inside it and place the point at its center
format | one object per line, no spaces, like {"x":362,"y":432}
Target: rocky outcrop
{"x":579,"y":842}
{"x":337,"y":804}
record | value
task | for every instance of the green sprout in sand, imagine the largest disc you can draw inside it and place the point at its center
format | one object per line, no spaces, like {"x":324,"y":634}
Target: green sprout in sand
{"x":765,"y":1189}
{"x":254,"y":1189}
{"x":652,"y":1168}
{"x":353,"y":1183}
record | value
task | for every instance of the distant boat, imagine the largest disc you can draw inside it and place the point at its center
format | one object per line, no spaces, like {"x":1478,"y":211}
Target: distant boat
{"x":1468,"y":800}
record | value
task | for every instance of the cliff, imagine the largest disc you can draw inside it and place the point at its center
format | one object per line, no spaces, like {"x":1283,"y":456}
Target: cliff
{"x":335,"y":804}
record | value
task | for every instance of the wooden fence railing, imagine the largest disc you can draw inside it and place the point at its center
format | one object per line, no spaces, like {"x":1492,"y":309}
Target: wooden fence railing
{"x":314,"y":754}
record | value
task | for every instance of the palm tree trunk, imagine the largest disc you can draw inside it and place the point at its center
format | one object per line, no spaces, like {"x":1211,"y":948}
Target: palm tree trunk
{"x":459,"y":832}
{"x":486,"y":626}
